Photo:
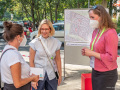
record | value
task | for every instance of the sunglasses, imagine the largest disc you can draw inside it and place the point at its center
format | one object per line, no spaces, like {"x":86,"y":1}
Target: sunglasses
{"x":94,"y":7}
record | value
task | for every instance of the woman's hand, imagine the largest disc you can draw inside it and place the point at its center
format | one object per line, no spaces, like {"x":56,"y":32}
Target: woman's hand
{"x":59,"y":80}
{"x":87,"y":52}
{"x":35,"y":78}
{"x":34,"y":85}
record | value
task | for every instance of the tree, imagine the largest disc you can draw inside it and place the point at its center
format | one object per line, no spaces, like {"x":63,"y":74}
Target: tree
{"x":36,"y":10}
{"x":57,"y":2}
{"x":105,"y":3}
{"x":50,"y":9}
{"x":31,"y":4}
{"x":4,"y":4}
{"x":110,"y":7}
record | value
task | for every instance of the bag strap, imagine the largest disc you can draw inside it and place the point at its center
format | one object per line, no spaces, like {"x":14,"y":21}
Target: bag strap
{"x":46,"y":54}
{"x":5,"y":51}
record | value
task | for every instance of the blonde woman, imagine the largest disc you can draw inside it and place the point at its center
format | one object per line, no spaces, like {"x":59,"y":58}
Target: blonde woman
{"x":40,"y":58}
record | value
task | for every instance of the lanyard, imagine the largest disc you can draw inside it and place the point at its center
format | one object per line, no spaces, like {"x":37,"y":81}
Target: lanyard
{"x":98,"y":38}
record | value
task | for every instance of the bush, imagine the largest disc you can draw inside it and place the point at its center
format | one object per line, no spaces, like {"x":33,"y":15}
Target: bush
{"x":114,"y":20}
{"x":118,"y":25}
{"x":5,"y":19}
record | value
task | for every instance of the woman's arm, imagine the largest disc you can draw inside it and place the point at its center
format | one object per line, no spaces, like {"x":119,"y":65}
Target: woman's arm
{"x":32,"y":56}
{"x":31,"y":60}
{"x":16,"y":75}
{"x":58,"y":62}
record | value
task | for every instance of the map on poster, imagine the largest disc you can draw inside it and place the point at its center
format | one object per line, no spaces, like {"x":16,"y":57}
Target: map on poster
{"x":77,"y":27}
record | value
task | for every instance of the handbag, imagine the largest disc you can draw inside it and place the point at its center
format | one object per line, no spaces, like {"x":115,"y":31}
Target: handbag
{"x":48,"y":56}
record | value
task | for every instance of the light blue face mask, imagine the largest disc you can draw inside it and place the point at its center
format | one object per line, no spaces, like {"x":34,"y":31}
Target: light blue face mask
{"x":23,"y":43}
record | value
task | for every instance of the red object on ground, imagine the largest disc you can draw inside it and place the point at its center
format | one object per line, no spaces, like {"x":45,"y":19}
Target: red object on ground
{"x":30,"y":29}
{"x":86,"y":82}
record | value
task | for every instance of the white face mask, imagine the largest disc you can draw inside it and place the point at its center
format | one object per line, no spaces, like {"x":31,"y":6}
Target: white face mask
{"x":94,"y":24}
{"x":23,"y":43}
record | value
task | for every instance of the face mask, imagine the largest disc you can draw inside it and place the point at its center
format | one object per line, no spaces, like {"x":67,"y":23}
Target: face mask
{"x":94,"y":24}
{"x":23,"y":43}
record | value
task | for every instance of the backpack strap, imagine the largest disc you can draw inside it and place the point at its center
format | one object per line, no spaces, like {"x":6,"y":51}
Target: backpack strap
{"x":5,"y":51}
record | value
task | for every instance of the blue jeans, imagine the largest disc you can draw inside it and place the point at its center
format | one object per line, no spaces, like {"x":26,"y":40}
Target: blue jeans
{"x":47,"y":84}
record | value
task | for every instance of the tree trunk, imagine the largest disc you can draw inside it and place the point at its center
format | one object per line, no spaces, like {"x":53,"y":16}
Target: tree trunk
{"x":83,"y":3}
{"x":110,"y":8}
{"x":56,"y":14}
{"x":26,"y":11}
{"x":38,"y":19}
{"x":42,"y":16}
{"x":32,"y":12}
{"x":78,"y":4}
{"x":45,"y":12}
{"x":104,"y":3}
{"x":57,"y":4}
{"x":39,"y":16}
{"x":51,"y":15}
{"x":50,"y":12}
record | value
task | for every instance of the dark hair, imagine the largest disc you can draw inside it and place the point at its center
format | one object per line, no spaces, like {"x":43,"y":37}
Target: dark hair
{"x":11,"y":30}
{"x":106,"y":20}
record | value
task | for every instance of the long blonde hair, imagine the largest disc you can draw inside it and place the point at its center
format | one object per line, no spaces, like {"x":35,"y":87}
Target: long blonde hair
{"x":48,"y":22}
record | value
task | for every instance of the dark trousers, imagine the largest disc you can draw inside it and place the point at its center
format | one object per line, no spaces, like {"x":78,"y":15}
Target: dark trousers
{"x":47,"y":84}
{"x":104,"y":80}
{"x":12,"y":87}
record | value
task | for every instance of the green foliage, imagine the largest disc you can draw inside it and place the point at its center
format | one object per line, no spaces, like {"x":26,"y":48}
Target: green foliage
{"x":6,"y":6}
{"x":118,"y":29}
{"x":118,"y":25}
{"x":5,"y":19}
{"x":22,"y":9}
{"x":114,"y":20}
{"x":26,"y":19}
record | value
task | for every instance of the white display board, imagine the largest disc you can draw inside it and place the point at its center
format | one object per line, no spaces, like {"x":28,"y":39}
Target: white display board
{"x":78,"y":34}
{"x":77,"y":27}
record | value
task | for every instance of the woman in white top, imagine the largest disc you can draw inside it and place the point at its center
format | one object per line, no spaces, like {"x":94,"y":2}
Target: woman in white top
{"x":45,"y":54}
{"x":14,"y":70}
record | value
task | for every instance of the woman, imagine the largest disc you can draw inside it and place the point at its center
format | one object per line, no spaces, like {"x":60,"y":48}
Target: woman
{"x":103,"y":52}
{"x":14,"y":70}
{"x":40,"y":58}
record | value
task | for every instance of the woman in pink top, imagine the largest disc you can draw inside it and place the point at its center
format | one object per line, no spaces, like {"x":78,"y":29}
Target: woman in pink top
{"x":103,"y":50}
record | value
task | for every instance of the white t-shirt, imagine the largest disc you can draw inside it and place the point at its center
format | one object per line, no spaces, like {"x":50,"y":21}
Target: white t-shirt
{"x":10,"y":58}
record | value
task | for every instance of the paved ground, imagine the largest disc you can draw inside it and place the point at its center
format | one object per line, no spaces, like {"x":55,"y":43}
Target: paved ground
{"x":72,"y":80}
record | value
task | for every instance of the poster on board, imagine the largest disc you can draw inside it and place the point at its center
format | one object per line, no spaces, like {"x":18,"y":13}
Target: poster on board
{"x":77,"y":28}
